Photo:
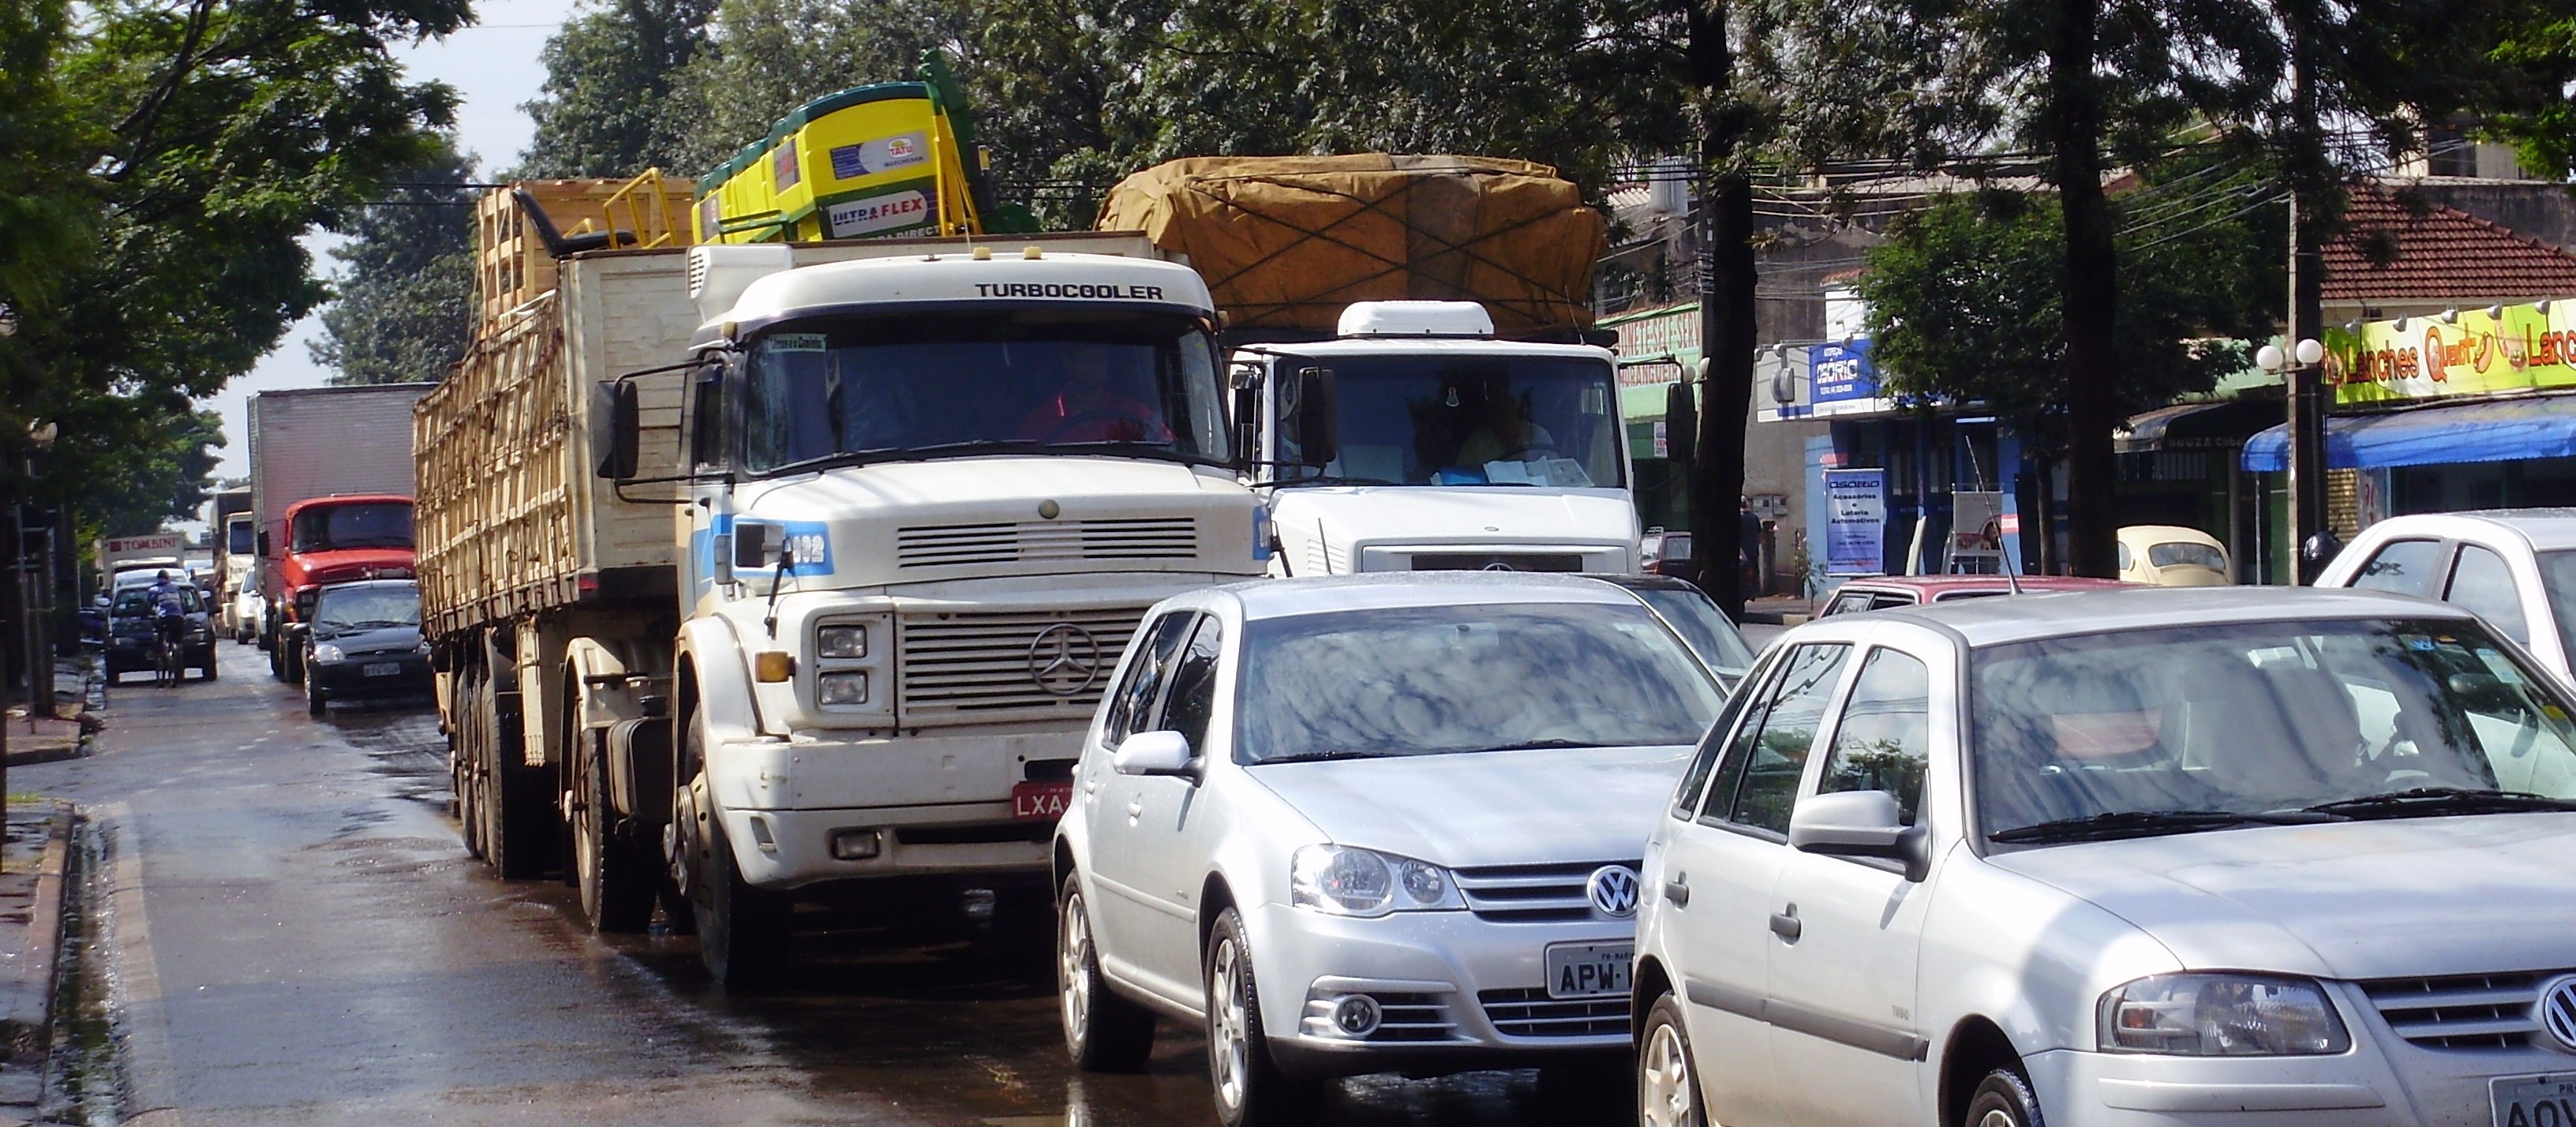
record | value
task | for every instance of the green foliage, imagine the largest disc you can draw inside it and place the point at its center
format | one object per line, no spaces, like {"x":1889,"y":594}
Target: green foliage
{"x":406,"y":292}
{"x":1966,"y":296}
{"x":609,"y":75}
{"x":2540,"y":47}
{"x":770,"y":56}
{"x":174,"y":152}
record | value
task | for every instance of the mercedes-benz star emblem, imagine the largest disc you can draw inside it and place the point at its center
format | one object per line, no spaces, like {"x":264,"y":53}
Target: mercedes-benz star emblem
{"x":1064,"y":659}
{"x":1498,"y":565}
{"x":2556,"y":1012}
{"x":1613,"y":891}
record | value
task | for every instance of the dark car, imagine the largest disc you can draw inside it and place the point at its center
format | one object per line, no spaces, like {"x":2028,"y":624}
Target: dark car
{"x":131,"y":642}
{"x":1694,"y":616}
{"x":364,"y":641}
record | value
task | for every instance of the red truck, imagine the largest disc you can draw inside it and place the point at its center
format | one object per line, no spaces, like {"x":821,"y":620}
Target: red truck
{"x":335,"y":539}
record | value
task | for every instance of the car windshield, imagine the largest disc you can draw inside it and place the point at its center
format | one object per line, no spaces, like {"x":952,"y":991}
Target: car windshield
{"x":1424,"y":681}
{"x":1704,"y":627}
{"x":2558,"y":582}
{"x":366,"y":608}
{"x":2162,"y":730}
{"x":2181,"y":552}
{"x":1464,"y":419}
{"x":332,"y":528}
{"x":1040,"y":380}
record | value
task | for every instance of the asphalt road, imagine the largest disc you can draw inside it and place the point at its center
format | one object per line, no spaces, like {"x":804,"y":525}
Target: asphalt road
{"x":295,"y":936}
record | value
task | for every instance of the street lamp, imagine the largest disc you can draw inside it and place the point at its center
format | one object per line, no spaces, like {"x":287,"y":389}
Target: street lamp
{"x":2307,"y":452}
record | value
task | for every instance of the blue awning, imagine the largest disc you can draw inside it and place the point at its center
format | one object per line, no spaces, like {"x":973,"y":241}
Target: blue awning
{"x":2493,"y":430}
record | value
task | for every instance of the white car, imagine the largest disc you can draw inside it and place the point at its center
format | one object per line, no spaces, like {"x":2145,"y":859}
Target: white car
{"x":1369,"y":824}
{"x":2177,"y":856}
{"x":2515,"y":567}
{"x":249,"y":607}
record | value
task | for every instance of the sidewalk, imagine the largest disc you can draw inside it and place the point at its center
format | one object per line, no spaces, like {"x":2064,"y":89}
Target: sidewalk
{"x":1779,"y":610}
{"x":32,"y":858}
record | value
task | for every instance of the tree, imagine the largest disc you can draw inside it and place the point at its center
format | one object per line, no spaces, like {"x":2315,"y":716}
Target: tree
{"x":603,"y":110}
{"x":764,"y":58}
{"x":406,"y":293}
{"x":2539,"y":48}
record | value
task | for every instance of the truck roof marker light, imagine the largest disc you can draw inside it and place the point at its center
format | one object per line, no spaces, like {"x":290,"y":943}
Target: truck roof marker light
{"x":1032,"y":251}
{"x":983,"y":254}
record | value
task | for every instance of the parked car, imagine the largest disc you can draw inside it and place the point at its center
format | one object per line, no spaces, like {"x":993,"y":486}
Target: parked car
{"x":1665,"y":553}
{"x":2166,"y":555}
{"x":364,"y":640}
{"x":1694,"y":616}
{"x":132,"y":646}
{"x":2143,"y":858}
{"x":1879,"y":592}
{"x":2515,"y":567}
{"x":250,"y":608}
{"x":1306,"y":819}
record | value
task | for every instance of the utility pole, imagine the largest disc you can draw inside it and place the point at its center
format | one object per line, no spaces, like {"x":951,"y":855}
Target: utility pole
{"x":2305,"y":400}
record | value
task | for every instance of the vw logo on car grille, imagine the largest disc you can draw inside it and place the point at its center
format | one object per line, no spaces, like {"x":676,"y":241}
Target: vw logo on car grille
{"x":1613,"y":891}
{"x":1064,"y":659}
{"x":2556,"y":1012}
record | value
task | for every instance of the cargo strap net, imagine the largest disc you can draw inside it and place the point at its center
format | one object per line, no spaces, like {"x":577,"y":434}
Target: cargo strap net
{"x":1287,"y":242}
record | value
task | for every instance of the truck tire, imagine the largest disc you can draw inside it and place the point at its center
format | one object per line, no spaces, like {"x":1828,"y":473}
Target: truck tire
{"x":619,"y":879}
{"x":743,"y":932}
{"x":519,"y":821}
{"x":462,"y":763}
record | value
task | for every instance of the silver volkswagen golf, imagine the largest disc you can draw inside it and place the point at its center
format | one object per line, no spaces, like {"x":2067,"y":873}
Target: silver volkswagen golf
{"x":1370,"y":824}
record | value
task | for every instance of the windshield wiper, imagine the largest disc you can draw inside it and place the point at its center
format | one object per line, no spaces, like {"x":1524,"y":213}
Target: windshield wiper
{"x":1316,"y":757}
{"x":1544,"y":745}
{"x":1334,"y":479}
{"x":2147,"y":823}
{"x":904,"y":454}
{"x":2421,"y":802}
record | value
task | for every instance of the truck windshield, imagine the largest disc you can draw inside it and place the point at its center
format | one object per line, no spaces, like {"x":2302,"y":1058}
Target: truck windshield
{"x":1038,"y":380}
{"x":1464,"y":420}
{"x":239,"y":538}
{"x":333,"y":528}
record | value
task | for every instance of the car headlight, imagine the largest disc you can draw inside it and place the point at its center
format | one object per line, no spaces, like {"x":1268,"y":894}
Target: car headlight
{"x":2221,"y":1015}
{"x":841,"y":641}
{"x":327,"y":653}
{"x":841,"y":688}
{"x":1347,"y":881}
{"x":422,"y":649}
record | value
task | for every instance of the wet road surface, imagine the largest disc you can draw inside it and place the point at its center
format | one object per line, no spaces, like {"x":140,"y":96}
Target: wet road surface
{"x":294,"y":935}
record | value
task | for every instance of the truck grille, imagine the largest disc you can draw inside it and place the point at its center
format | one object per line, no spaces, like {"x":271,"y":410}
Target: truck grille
{"x":1497,"y":561}
{"x":953,"y":545}
{"x":978,"y":662}
{"x":1531,"y":893}
{"x":1531,"y":1013}
{"x":2467,"y":1011}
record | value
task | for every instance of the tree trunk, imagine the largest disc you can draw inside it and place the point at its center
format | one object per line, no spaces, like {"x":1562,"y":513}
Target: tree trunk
{"x":2092,"y":293}
{"x":1726,"y":314}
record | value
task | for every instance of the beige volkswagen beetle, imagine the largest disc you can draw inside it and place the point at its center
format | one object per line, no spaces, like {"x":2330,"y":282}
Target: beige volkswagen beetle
{"x":2167,"y":555}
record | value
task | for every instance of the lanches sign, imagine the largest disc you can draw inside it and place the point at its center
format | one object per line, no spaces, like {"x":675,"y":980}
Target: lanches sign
{"x":2522,"y":348}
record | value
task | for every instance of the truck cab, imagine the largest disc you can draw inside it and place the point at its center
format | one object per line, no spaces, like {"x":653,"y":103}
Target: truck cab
{"x":333,"y":539}
{"x":1415,"y":440}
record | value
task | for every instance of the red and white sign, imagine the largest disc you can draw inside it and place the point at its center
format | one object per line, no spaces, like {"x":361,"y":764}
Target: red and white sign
{"x":2009,"y":524}
{"x":157,"y":542}
{"x":1040,"y":802}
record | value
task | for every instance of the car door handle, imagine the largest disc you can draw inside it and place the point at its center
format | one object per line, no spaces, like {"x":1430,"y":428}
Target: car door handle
{"x":1785,"y":924}
{"x":1136,"y":808}
{"x":1677,"y":890}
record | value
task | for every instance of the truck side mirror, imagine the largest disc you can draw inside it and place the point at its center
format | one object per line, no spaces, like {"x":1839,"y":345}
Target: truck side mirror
{"x":1681,"y":424}
{"x":263,"y":543}
{"x":615,"y":428}
{"x":755,"y":546}
{"x":1319,"y":417}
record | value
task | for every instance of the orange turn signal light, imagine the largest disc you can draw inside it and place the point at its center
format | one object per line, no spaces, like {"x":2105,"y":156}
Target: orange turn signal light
{"x":770,"y":667}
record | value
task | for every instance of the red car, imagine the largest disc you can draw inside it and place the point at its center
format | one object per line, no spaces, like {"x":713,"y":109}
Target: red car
{"x":335,"y":539}
{"x":1879,"y":592}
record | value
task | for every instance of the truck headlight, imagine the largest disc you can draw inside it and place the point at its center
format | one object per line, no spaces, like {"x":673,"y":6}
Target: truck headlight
{"x":1347,"y":881}
{"x":841,"y":641}
{"x":841,"y":688}
{"x":328,"y":654}
{"x":2221,"y":1015}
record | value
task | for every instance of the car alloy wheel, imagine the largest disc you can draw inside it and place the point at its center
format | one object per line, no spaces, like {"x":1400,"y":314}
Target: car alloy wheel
{"x":1667,"y":1091}
{"x":2004,"y":1099}
{"x":1102,"y":1031}
{"x":1228,"y":1050}
{"x":1251,"y":1089}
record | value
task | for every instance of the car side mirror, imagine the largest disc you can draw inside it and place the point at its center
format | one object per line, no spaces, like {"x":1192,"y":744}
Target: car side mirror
{"x":1319,"y":417}
{"x":755,"y":546}
{"x":1154,"y":753}
{"x":1860,"y":823}
{"x":615,"y":428}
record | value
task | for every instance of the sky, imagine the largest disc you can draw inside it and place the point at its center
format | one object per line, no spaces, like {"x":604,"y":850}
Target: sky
{"x":494,"y":67}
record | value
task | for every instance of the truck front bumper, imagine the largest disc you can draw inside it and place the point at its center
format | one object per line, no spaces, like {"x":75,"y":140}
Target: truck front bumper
{"x":828,"y":806}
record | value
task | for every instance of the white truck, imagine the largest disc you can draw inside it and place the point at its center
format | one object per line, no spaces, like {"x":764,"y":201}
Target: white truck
{"x":761,"y":572}
{"x":1415,"y":441}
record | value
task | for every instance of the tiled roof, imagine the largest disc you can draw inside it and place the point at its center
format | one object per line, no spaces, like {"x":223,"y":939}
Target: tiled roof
{"x":2390,"y":251}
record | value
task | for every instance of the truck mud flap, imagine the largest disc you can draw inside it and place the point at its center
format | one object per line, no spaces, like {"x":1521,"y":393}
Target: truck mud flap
{"x":639,"y":768}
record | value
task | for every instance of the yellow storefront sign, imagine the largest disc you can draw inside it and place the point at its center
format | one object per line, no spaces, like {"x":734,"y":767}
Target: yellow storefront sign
{"x":2476,"y":352}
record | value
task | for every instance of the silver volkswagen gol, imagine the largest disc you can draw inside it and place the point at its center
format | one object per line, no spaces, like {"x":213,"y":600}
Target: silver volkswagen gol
{"x":1369,"y":824}
{"x":2118,"y":859}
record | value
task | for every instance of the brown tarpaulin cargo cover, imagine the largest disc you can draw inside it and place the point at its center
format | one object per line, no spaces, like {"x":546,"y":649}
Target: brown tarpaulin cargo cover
{"x":1286,"y":242}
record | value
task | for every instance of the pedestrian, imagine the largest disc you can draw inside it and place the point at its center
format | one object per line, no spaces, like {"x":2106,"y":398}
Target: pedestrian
{"x":1748,"y":547}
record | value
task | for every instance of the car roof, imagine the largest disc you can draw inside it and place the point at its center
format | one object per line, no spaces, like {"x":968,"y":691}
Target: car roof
{"x":1650,"y":582}
{"x":1285,"y":598}
{"x":2545,"y":528}
{"x":2164,"y":534}
{"x":1935,"y":584}
{"x":1987,"y":622}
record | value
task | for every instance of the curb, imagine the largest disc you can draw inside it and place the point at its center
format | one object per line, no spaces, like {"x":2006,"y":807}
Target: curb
{"x":50,"y":751}
{"x":27,"y":1026}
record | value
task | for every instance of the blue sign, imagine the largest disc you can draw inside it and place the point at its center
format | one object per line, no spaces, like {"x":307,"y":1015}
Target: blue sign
{"x":1855,"y":522}
{"x":1841,"y":372}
